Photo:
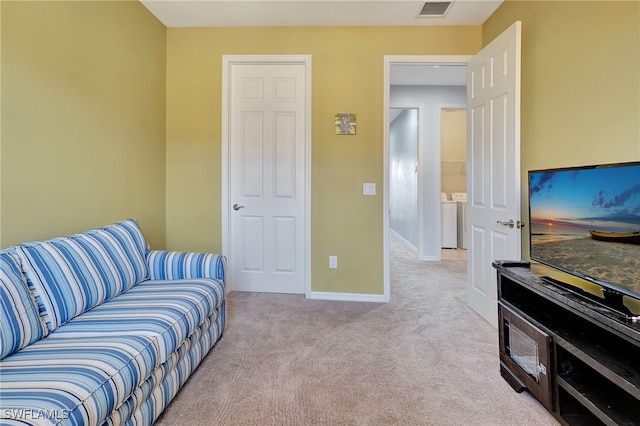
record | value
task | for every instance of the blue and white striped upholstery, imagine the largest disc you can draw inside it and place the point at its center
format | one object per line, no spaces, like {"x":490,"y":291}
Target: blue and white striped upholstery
{"x":121,"y":361}
{"x":71,"y":275}
{"x":171,"y":265}
{"x":150,"y":399}
{"x":20,"y":322}
{"x":119,"y":345}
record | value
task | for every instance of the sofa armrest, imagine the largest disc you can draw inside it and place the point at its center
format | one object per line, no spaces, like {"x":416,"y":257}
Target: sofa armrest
{"x":173,"y":265}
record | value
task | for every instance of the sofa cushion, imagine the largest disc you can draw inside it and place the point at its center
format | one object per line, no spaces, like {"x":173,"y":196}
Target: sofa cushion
{"x":20,"y":322}
{"x":73,"y":274}
{"x":89,"y":367}
{"x":173,"y":265}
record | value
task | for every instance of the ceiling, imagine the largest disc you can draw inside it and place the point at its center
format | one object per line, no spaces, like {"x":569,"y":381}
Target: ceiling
{"x":425,"y":75}
{"x":244,"y":13}
{"x":249,"y":13}
{"x":428,"y":75}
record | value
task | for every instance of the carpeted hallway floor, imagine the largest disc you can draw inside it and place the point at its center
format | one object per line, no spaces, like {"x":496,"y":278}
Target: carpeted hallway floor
{"x":425,"y":358}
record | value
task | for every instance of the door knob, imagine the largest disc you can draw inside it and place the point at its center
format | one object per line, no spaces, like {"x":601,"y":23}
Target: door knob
{"x":237,"y":207}
{"x":510,"y":224}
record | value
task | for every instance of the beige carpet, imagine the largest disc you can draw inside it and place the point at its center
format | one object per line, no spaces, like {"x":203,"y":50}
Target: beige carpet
{"x":425,"y":358}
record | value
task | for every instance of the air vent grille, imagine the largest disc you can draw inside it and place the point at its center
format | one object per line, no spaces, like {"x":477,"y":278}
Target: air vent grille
{"x":435,"y":8}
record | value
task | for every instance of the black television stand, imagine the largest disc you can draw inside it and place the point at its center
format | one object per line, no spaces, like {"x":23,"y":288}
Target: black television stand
{"x":578,"y":354}
{"x":612,"y":299}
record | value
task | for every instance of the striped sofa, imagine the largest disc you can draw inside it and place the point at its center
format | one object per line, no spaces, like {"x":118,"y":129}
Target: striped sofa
{"x":96,"y":329}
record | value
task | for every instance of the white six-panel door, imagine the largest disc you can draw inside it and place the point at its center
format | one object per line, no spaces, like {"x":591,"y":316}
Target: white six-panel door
{"x":493,"y":174}
{"x":267,"y":189}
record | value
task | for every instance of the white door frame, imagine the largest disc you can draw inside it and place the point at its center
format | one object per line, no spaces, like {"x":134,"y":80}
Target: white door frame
{"x":402,"y":60}
{"x":227,"y":62}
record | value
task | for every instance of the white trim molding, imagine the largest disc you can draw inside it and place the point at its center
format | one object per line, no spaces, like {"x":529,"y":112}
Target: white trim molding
{"x":347,"y":297}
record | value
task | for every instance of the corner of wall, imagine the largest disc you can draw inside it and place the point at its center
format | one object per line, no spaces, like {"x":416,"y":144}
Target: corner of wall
{"x":1,"y":126}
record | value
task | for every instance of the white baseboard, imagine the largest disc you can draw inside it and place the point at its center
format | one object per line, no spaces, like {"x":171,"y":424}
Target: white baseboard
{"x":431,"y":258}
{"x":347,"y":297}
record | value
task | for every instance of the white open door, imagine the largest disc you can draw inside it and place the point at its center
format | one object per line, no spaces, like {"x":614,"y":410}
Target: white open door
{"x":493,"y":159}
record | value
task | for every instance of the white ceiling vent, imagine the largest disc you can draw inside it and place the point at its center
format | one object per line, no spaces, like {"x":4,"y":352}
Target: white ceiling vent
{"x":435,"y":9}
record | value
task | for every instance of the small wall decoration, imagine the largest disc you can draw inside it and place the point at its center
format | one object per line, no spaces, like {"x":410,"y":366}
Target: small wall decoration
{"x":345,"y":123}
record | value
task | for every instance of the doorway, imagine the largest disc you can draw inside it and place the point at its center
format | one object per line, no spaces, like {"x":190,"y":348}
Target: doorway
{"x":430,"y":96}
{"x":453,"y":172}
{"x":493,"y":157}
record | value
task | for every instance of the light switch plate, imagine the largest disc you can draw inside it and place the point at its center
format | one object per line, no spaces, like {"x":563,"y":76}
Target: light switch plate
{"x":369,"y":189}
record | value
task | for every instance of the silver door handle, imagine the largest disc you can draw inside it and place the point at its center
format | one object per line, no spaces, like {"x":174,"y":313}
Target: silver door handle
{"x":510,"y":224}
{"x":237,"y":207}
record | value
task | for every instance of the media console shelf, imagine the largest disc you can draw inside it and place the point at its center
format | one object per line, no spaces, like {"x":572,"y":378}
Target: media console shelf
{"x":580,"y":358}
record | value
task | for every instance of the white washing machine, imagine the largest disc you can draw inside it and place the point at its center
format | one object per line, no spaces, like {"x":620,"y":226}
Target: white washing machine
{"x":448,"y":221}
{"x":461,"y":200}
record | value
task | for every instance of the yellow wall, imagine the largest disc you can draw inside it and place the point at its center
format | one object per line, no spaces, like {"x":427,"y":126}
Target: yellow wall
{"x":0,"y":125}
{"x":83,"y":118}
{"x":347,"y":76}
{"x":580,"y":82}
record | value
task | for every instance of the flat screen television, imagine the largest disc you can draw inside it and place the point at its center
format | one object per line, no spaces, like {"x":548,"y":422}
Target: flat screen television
{"x":585,"y":221}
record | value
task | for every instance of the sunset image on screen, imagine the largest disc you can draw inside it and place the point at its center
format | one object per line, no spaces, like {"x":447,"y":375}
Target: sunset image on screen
{"x":587,"y":221}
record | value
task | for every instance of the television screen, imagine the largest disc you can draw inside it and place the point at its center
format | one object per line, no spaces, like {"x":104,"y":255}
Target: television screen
{"x":586,"y":221}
